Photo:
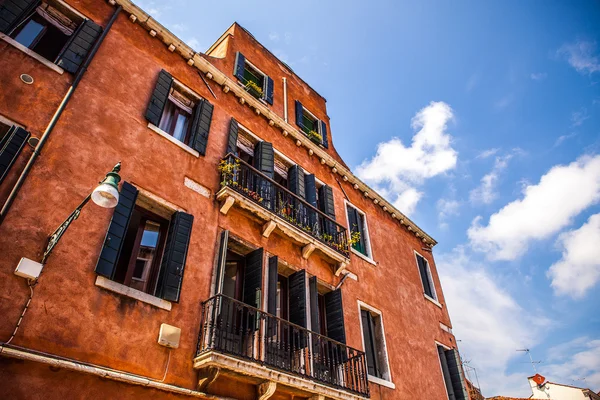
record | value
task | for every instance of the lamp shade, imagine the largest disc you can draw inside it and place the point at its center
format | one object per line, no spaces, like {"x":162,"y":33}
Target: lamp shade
{"x":106,"y":195}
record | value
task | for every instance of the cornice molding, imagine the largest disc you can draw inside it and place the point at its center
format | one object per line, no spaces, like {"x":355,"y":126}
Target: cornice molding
{"x":174,"y":44}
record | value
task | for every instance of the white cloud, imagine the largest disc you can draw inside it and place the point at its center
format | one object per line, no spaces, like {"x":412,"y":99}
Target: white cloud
{"x":488,"y":321}
{"x":407,"y":200}
{"x":562,"y":193}
{"x":274,"y":36}
{"x":488,"y":153}
{"x":447,"y":207}
{"x":581,"y":55}
{"x":486,"y":192}
{"x":575,"y":363}
{"x":579,"y":117}
{"x":399,"y":169}
{"x":539,"y":76}
{"x":579,"y":268}
{"x":472,"y":82}
{"x":562,"y":138}
{"x":504,"y":102}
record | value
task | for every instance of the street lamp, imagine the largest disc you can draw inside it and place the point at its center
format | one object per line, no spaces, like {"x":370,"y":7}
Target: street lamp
{"x":106,"y":195}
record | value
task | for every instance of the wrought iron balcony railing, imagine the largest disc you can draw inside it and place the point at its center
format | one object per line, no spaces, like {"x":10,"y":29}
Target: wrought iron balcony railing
{"x":232,"y":327}
{"x":264,"y":191}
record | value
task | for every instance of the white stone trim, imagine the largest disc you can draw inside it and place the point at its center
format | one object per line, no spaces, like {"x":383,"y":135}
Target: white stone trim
{"x":31,"y":54}
{"x":361,"y":255}
{"x":388,"y":382}
{"x":121,"y":289}
{"x":197,"y":187}
{"x":9,"y":122}
{"x":434,"y":301}
{"x":171,"y":139}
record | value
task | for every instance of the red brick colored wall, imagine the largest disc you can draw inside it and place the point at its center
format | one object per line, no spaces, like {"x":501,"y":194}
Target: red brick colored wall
{"x":104,"y":123}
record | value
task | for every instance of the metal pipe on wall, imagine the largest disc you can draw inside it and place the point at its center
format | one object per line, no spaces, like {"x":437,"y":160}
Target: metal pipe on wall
{"x":285,"y":101}
{"x":56,"y":117}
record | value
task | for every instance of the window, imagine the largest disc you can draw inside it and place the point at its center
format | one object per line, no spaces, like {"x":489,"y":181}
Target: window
{"x":53,"y":30}
{"x":4,"y":128}
{"x":426,"y":279}
{"x":177,"y":114}
{"x":12,"y":140}
{"x":315,"y":129}
{"x":257,"y":83}
{"x":374,"y":342}
{"x":452,"y":372}
{"x":146,"y":245}
{"x":357,"y":225}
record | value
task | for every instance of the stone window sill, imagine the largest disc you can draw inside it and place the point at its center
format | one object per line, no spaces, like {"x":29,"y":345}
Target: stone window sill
{"x":361,"y":255}
{"x":434,"y":301}
{"x":31,"y":54}
{"x":132,"y":293}
{"x":171,"y":139}
{"x":382,"y":382}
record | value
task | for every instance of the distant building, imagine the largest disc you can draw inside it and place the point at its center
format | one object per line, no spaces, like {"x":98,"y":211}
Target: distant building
{"x":542,"y":389}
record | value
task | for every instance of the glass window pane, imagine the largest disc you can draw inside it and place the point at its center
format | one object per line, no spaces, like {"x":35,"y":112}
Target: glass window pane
{"x":167,"y":117}
{"x":230,"y":278}
{"x":181,"y":127}
{"x":145,"y":256}
{"x":29,"y":33}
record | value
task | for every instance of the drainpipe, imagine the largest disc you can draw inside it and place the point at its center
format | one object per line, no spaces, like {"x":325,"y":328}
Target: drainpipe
{"x":55,"y":118}
{"x":285,"y":113}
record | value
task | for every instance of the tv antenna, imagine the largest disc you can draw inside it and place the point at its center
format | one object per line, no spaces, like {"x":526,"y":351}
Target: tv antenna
{"x":531,"y":359}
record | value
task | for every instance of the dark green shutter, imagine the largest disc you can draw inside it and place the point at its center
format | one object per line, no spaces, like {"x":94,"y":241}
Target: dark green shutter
{"x":272,"y":286}
{"x":326,"y":201}
{"x":324,"y":134}
{"x":424,"y":276}
{"x":233,"y":137}
{"x":201,"y":126}
{"x":117,"y":229}
{"x":296,"y":180}
{"x":240,"y":64}
{"x":297,"y":296}
{"x":264,"y":159}
{"x":269,"y":90}
{"x":174,"y":257}
{"x":334,"y":313}
{"x":369,"y":341}
{"x":253,"y":278}
{"x":13,"y":11}
{"x":315,"y":323}
{"x":299,"y":114}
{"x":159,"y":97}
{"x":220,"y":271}
{"x":456,"y":374}
{"x":79,"y":45}
{"x":310,"y":189}
{"x":446,"y":373}
{"x":10,"y":147}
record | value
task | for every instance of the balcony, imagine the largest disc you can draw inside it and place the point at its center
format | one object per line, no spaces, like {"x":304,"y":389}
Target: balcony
{"x":256,"y":347}
{"x":247,"y":187}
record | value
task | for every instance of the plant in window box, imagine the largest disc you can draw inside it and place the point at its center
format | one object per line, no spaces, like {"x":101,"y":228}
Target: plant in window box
{"x":228,"y":171}
{"x":354,"y":239}
{"x":254,"y":89}
{"x":314,"y":136}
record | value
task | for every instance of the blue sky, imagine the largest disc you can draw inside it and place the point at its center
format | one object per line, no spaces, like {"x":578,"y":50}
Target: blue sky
{"x":481,"y":120}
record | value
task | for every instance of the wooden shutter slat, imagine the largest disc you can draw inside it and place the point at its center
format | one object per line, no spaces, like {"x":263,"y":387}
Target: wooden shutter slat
{"x":269,"y":90}
{"x":272,"y":286}
{"x":159,"y":97}
{"x":173,"y":262}
{"x":79,"y":46}
{"x":299,"y":114}
{"x":253,"y":278}
{"x":117,"y":229}
{"x":315,"y":323}
{"x":446,"y":374}
{"x":233,"y":137}
{"x":12,"y":11}
{"x":324,"y":134}
{"x":326,"y":200}
{"x":264,"y":159}
{"x":10,"y":147}
{"x":296,"y":180}
{"x":240,"y":64}
{"x":334,"y":313}
{"x":201,"y":126}
{"x":297,"y":296}
{"x":456,"y":374}
{"x":310,"y":188}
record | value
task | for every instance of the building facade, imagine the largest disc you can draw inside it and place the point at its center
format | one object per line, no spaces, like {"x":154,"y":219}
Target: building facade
{"x":243,"y":259}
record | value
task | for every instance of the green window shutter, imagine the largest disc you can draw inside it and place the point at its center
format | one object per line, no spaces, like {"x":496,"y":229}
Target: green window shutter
{"x":334,"y":314}
{"x":201,"y":126}
{"x":240,"y":64}
{"x":446,"y":374}
{"x":324,"y":134}
{"x":13,"y":11}
{"x":269,"y":90}
{"x":233,"y":136}
{"x":10,"y":147}
{"x":264,"y":158}
{"x":272,"y":286}
{"x":253,"y":278}
{"x":174,"y":257}
{"x":315,"y":323}
{"x":297,"y":296}
{"x":456,"y":374}
{"x":159,"y":97}
{"x":326,"y":201}
{"x":299,"y":115}
{"x":117,"y":229}
{"x":220,"y":271}
{"x":424,"y":276}
{"x":296,"y":180}
{"x":80,"y":44}
{"x":370,"y":346}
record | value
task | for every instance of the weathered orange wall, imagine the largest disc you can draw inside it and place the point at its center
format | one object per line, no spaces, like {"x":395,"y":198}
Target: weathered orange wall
{"x":104,"y":123}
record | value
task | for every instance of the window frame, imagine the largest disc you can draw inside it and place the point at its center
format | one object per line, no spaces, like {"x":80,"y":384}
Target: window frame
{"x":369,"y":256}
{"x":433,"y":299}
{"x":437,"y":354}
{"x":318,"y":121}
{"x":387,"y":380}
{"x":264,"y":83}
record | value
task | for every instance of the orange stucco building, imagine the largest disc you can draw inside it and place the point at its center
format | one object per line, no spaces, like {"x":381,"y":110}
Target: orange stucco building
{"x":243,"y":259}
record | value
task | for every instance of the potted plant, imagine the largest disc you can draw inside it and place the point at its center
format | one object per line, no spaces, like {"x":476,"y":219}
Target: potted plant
{"x":315,"y":136}
{"x":254,"y":89}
